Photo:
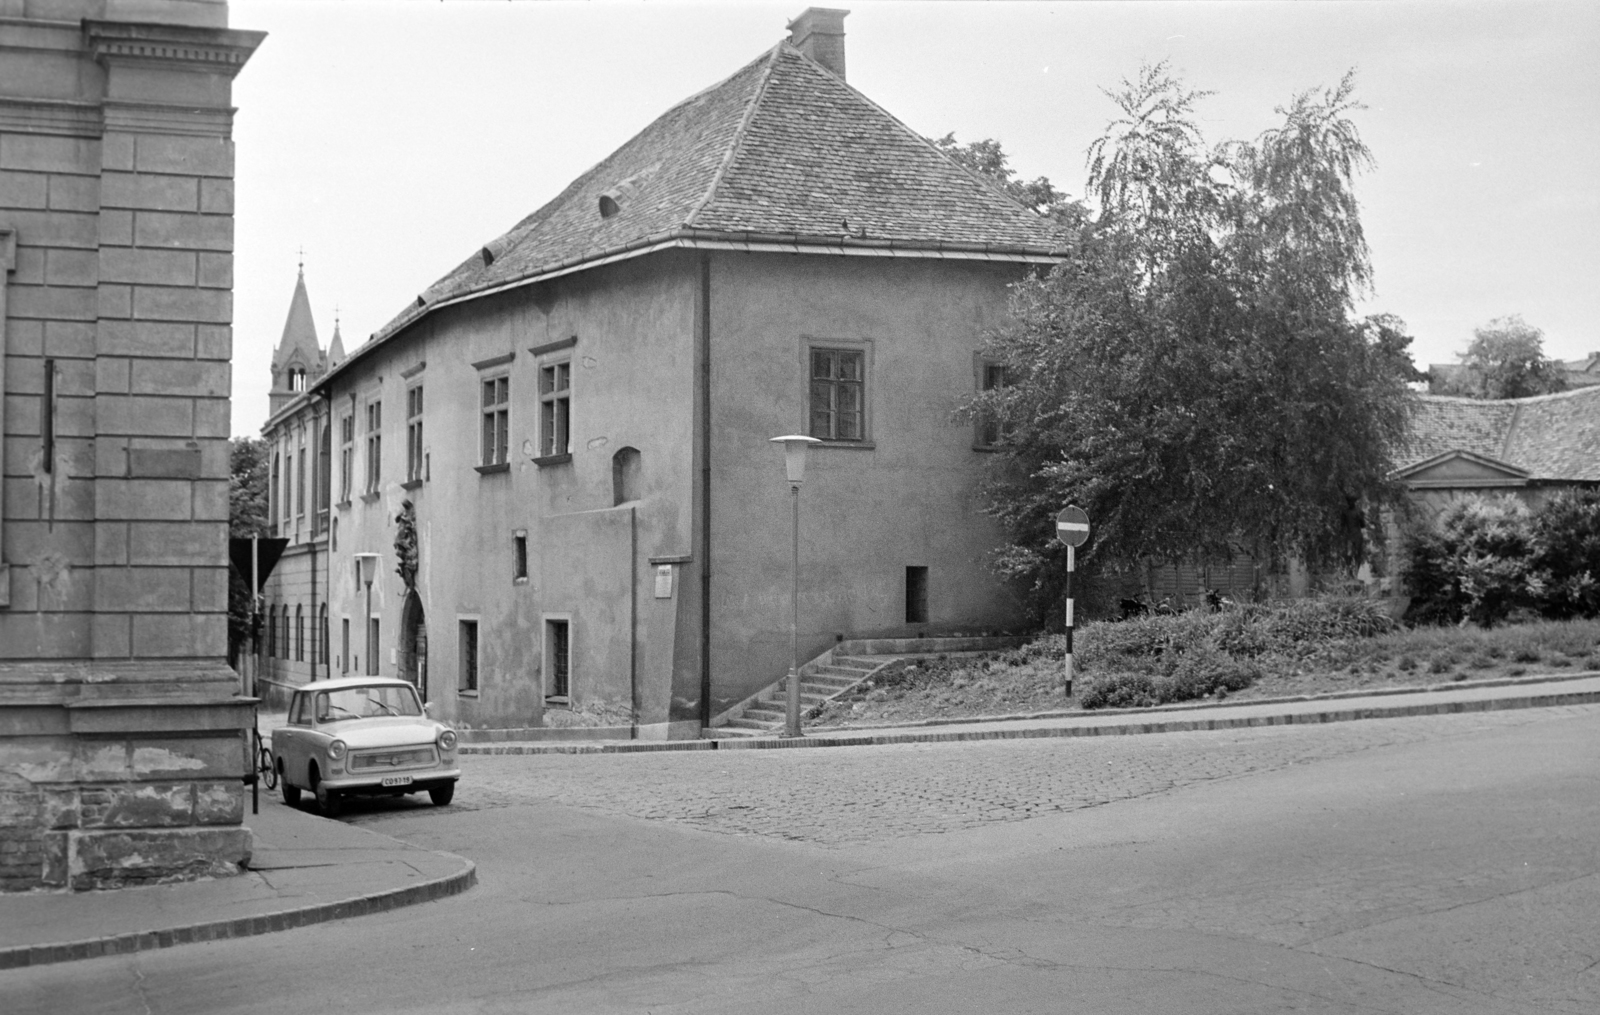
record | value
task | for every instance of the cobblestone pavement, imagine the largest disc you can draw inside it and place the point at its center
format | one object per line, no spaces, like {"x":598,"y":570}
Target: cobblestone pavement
{"x":845,"y":796}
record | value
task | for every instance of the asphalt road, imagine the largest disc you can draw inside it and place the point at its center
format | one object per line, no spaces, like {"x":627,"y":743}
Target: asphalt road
{"x":1432,"y":864}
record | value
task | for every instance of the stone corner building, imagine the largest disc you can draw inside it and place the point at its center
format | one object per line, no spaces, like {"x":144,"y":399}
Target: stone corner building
{"x":122,"y":748}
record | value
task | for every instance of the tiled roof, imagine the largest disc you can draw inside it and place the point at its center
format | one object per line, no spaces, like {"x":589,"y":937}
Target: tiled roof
{"x":781,"y":152}
{"x":1553,"y":437}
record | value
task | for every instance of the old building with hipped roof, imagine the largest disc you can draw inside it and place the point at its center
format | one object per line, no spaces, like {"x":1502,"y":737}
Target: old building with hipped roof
{"x":560,"y":450}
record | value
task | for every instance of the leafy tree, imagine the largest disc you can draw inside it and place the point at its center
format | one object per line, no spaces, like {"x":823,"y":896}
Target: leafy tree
{"x":1505,"y":360}
{"x":247,"y":516}
{"x":1194,"y":376}
{"x":1039,"y":195}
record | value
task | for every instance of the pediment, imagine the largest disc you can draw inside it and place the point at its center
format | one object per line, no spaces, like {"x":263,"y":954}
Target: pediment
{"x":1461,"y":469}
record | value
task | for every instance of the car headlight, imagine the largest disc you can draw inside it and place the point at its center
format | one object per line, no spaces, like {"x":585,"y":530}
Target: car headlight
{"x":336,"y":749}
{"x":447,"y":740}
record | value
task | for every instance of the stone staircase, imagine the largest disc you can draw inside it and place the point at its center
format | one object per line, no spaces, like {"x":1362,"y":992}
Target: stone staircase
{"x":834,"y":673}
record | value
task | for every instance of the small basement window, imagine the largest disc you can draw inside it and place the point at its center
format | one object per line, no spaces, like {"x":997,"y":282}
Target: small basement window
{"x":916,"y":595}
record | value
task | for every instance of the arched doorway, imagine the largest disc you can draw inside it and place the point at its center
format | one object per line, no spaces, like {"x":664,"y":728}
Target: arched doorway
{"x":414,"y":644}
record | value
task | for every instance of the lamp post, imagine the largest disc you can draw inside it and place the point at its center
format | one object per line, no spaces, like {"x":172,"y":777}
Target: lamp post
{"x":794,"y":461}
{"x":367,"y":570}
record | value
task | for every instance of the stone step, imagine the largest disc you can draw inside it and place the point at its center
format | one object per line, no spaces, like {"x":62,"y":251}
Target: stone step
{"x":744,"y":723}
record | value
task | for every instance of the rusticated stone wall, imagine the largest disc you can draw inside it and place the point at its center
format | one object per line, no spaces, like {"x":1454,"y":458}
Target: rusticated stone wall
{"x":122,"y":732}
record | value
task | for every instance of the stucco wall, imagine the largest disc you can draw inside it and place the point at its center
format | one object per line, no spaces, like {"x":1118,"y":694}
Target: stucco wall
{"x":632,"y":375}
{"x":910,"y":498}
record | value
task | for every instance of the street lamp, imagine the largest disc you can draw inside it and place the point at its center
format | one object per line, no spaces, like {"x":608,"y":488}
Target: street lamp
{"x":794,"y":460}
{"x":366,"y":571}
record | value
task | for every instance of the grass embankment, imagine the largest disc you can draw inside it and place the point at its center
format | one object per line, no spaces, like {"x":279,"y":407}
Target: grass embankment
{"x":1302,"y":647}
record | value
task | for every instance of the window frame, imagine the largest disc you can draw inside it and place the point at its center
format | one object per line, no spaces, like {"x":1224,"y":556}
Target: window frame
{"x":519,"y":557}
{"x":347,"y":455}
{"x":983,"y":430}
{"x":550,"y":623}
{"x":862,"y":347}
{"x":372,"y":412}
{"x":494,"y":420}
{"x":469,"y":665}
{"x":414,"y":457}
{"x":555,"y":409}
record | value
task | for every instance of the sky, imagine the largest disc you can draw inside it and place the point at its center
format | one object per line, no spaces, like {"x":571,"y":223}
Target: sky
{"x":388,"y":141}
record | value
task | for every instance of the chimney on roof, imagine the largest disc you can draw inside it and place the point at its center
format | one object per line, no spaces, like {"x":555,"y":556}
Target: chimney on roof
{"x":819,"y":33}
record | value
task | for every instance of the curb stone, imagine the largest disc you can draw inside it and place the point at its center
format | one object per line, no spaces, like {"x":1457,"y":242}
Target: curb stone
{"x":245,"y":926}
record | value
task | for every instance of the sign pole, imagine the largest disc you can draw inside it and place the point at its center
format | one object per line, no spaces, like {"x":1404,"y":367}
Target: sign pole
{"x":1072,"y":529}
{"x":1072,"y":555}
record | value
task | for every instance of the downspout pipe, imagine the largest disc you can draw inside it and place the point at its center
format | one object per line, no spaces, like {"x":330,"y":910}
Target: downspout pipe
{"x":704,"y":339}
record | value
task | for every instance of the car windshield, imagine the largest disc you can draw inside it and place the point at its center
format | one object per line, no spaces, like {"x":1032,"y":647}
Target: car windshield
{"x":366,"y":703}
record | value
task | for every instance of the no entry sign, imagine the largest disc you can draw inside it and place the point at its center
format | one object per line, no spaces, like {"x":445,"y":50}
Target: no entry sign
{"x":1072,"y":526}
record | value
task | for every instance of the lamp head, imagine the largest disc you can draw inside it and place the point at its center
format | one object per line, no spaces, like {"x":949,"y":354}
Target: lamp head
{"x":794,"y":454}
{"x":367,"y":567}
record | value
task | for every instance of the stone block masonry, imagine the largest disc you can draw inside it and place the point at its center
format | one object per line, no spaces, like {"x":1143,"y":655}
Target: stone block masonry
{"x":123,"y":742}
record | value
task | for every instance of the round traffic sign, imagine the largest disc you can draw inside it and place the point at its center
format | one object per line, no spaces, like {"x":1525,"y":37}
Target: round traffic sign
{"x":1072,"y":526}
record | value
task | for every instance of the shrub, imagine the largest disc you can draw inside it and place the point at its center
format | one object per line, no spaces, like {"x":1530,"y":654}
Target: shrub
{"x":1120,"y":690}
{"x":1566,"y":555}
{"x":1474,"y":564}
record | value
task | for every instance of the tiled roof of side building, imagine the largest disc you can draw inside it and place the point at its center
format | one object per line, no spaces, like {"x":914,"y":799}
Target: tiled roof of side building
{"x":1558,"y":436}
{"x":782,"y":151}
{"x":1551,"y":436}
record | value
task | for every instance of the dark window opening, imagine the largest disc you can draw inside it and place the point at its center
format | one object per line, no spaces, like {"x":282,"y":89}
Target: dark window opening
{"x":372,"y":640}
{"x":625,"y":465}
{"x":519,"y":546}
{"x":469,"y":655}
{"x":558,"y":640}
{"x":916,"y":595}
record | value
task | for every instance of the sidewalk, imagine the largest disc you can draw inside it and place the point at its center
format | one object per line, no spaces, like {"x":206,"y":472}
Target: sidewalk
{"x":305,"y":869}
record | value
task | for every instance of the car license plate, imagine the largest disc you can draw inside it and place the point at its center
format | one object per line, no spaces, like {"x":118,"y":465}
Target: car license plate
{"x":397,"y":780}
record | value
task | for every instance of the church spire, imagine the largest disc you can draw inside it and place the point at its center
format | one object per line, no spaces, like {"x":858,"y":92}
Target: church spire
{"x":298,"y":359}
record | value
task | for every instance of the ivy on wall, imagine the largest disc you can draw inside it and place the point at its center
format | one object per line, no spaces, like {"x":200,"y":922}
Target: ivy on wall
{"x":405,"y":545}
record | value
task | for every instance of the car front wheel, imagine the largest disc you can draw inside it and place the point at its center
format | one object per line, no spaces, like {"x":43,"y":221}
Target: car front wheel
{"x":328,"y":800}
{"x":441,"y":795}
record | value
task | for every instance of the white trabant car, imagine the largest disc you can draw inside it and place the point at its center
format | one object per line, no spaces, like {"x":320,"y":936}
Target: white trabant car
{"x":366,"y":735}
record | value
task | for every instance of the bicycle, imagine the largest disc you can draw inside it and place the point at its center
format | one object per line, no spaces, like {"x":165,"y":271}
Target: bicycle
{"x":265,"y":768}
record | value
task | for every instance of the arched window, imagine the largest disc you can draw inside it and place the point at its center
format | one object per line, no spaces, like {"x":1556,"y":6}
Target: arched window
{"x":284,"y":631}
{"x":625,"y":466}
{"x":299,"y":634}
{"x":322,"y":627}
{"x":272,"y":630}
{"x":297,"y":378}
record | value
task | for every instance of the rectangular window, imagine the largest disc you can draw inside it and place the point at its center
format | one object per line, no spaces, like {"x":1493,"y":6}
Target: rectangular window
{"x":991,"y":377}
{"x":838,"y":394}
{"x":414,"y":434}
{"x":324,"y":473}
{"x":555,"y":409}
{"x":374,"y":446}
{"x":496,"y":420}
{"x":519,"y":557}
{"x":372,"y":640}
{"x":558,"y":659}
{"x":347,"y":455}
{"x":272,"y":491}
{"x":469,"y":655}
{"x":300,"y":484}
{"x":299,"y":634}
{"x":344,"y":645}
{"x":916,"y":595}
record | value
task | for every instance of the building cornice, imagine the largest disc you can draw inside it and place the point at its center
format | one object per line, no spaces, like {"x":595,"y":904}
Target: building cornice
{"x":211,"y":50}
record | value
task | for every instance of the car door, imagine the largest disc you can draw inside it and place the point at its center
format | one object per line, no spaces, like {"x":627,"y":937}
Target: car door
{"x":293,"y":751}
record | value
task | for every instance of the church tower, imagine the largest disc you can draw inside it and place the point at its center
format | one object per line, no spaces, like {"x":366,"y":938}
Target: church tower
{"x":299,"y":359}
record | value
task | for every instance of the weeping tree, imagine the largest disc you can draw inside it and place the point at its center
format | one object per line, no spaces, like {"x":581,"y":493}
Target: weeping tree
{"x":1194,"y":375}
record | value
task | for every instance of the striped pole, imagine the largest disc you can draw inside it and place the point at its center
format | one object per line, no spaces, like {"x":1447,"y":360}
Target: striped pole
{"x":1072,"y":559}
